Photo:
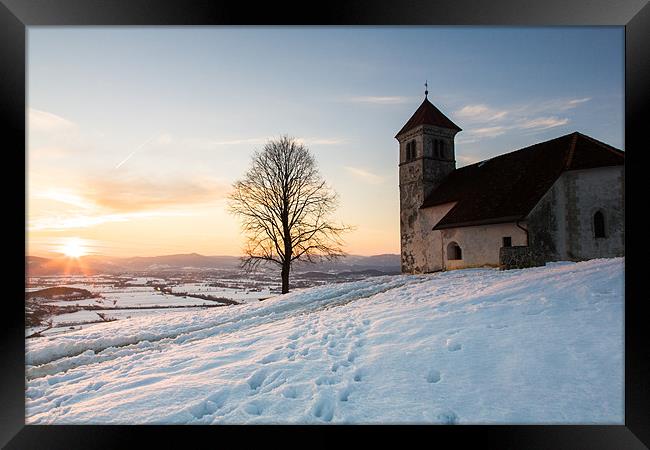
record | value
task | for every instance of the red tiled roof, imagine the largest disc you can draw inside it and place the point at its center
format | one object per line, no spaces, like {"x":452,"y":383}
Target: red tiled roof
{"x":427,"y":114}
{"x":507,"y":187}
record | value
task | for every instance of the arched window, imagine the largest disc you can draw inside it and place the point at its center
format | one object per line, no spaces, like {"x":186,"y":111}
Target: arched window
{"x":436,"y":149}
{"x":599,"y":225}
{"x":442,"y":149}
{"x":413,"y":152}
{"x":454,"y":252}
{"x":408,"y":151}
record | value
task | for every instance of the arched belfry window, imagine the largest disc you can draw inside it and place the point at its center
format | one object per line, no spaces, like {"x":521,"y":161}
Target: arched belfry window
{"x":454,"y":251}
{"x":413,"y":151}
{"x":599,"y":224}
{"x":443,"y":149}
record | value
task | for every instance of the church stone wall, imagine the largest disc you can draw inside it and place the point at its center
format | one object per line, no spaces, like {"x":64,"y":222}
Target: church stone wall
{"x":520,"y":257}
{"x":561,"y":224}
{"x":480,"y":245}
{"x":543,"y":224}
{"x":427,"y":242}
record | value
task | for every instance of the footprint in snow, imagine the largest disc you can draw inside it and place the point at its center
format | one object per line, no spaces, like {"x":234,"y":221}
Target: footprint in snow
{"x":337,"y":365}
{"x":448,"y":417}
{"x":327,"y":380}
{"x":433,"y":376}
{"x":254,"y":408}
{"x":296,"y":391}
{"x":453,"y":346}
{"x":324,"y":409}
{"x":344,"y":395}
{"x":204,"y":408}
{"x":256,"y":380}
{"x":271,"y":357}
{"x":219,"y":398}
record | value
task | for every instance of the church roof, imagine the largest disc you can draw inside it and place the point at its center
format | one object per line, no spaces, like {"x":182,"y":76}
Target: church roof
{"x":427,"y":114}
{"x":507,"y":187}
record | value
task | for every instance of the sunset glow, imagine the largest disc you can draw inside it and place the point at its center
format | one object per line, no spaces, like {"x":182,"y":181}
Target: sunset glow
{"x":73,"y":248}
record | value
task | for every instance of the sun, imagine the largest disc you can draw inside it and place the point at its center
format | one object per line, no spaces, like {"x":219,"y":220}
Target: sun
{"x":73,"y":248}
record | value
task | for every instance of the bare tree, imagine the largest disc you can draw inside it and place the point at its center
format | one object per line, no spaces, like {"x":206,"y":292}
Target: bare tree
{"x":285,"y":207}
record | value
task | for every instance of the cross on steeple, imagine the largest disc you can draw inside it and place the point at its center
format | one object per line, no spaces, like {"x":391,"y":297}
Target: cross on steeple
{"x":426,"y":88}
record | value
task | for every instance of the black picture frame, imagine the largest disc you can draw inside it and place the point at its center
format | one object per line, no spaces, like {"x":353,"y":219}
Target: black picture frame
{"x":634,"y":15}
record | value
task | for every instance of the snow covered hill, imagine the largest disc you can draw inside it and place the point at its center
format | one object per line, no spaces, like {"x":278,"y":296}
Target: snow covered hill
{"x":542,"y":345}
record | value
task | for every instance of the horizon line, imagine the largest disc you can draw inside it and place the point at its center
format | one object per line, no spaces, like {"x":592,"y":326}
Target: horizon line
{"x":181,"y":254}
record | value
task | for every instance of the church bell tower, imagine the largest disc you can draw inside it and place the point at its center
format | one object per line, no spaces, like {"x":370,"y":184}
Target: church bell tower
{"x":426,"y":157}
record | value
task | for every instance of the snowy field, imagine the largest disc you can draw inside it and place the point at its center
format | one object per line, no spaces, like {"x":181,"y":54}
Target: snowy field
{"x":120,"y":297}
{"x":477,"y":346}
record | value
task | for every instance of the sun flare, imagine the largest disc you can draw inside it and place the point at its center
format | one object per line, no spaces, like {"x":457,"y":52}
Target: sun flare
{"x":73,"y":248}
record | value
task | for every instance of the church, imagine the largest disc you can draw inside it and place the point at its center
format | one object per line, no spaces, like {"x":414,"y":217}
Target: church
{"x":558,"y":200}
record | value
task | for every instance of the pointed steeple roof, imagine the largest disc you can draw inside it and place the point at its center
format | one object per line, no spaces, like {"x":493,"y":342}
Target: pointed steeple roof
{"x":427,"y":114}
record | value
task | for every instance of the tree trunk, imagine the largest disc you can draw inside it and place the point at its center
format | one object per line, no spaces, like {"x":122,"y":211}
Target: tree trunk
{"x":285,"y":278}
{"x":286,"y":263}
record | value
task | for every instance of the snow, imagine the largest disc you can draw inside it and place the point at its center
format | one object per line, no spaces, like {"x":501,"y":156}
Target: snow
{"x":239,"y":295}
{"x":476,"y":346}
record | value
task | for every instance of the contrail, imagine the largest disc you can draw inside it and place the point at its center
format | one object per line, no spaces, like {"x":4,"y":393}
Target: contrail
{"x":136,"y":150}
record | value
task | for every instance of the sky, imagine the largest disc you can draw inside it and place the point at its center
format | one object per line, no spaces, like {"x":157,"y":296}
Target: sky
{"x":136,"y":134}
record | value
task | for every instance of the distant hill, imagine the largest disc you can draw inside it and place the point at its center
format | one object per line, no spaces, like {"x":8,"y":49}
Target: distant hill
{"x":384,"y":263}
{"x":180,"y":261}
{"x":88,"y":265}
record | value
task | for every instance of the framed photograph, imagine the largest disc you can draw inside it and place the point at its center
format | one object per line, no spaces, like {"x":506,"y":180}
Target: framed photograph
{"x":389,"y":217}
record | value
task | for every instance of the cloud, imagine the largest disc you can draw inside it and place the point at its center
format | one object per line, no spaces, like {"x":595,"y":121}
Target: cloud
{"x":575,"y":102}
{"x":364,"y":175}
{"x":43,"y":121}
{"x":472,"y":110}
{"x":379,"y":100}
{"x":548,"y":107}
{"x":480,"y":113}
{"x":87,"y":220}
{"x":466,"y":140}
{"x":133,"y":193}
{"x":120,"y":199}
{"x":488,"y":131}
{"x":65,"y":196}
{"x":543,"y":123}
{"x":486,"y":121}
